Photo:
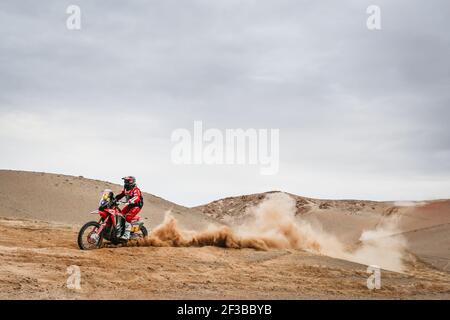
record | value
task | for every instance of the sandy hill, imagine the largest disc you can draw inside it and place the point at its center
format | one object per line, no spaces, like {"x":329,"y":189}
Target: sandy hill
{"x":36,"y":250}
{"x":425,"y":224}
{"x":69,"y":199}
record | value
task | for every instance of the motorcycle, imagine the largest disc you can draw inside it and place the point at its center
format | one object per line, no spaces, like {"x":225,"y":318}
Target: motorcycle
{"x":110,"y":225}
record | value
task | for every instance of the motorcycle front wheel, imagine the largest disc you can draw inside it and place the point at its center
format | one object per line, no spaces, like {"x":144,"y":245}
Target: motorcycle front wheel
{"x":88,"y":238}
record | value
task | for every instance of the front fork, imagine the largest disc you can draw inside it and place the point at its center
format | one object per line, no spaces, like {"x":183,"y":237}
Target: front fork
{"x":102,"y":225}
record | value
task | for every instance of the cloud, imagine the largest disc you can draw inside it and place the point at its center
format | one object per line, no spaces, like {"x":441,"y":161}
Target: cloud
{"x":349,"y":102}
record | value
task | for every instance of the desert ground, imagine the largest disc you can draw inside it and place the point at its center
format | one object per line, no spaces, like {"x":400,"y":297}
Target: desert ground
{"x":226,"y":252}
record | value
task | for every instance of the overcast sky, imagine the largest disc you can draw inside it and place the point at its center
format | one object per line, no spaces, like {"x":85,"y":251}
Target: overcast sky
{"x":362,"y":114}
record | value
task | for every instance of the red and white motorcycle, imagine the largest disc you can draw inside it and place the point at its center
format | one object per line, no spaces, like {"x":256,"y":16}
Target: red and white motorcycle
{"x":110,"y":225}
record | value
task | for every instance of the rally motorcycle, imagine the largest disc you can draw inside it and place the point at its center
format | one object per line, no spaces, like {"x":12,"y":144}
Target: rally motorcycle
{"x":110,"y":226}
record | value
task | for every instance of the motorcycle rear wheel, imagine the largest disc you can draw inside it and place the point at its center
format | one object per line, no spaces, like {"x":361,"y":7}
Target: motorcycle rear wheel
{"x":144,"y":231}
{"x":85,"y":241}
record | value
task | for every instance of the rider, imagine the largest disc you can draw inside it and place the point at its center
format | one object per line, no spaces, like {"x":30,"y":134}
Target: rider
{"x":135,"y":202}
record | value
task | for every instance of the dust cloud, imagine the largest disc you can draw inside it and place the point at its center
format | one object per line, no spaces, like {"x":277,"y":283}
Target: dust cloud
{"x":273,"y":225}
{"x":384,"y":246}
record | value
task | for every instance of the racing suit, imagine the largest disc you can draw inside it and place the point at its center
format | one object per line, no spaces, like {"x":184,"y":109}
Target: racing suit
{"x":135,"y":202}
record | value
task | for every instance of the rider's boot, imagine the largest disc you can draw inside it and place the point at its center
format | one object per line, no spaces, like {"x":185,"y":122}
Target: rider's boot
{"x":119,"y":231}
{"x":126,"y":234}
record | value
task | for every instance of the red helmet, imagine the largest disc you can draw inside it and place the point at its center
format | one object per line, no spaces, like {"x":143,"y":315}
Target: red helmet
{"x":129,"y":182}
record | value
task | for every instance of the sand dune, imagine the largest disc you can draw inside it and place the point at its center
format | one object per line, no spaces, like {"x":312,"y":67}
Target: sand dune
{"x":306,"y":248}
{"x":425,"y":224}
{"x":69,"y":199}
